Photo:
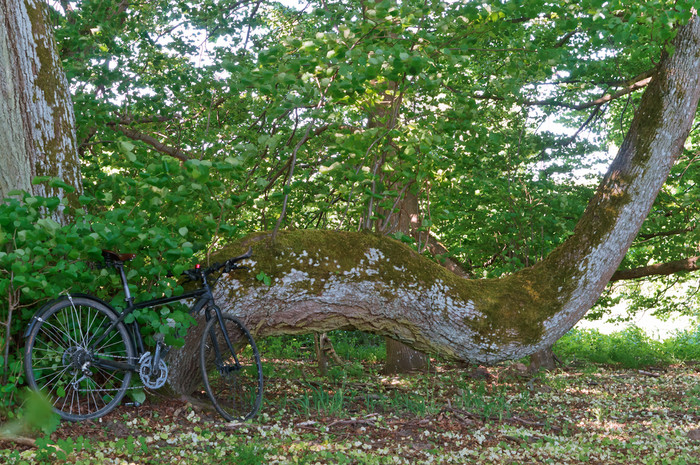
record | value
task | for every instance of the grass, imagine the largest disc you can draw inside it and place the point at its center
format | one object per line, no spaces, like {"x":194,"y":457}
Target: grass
{"x":583,"y":412}
{"x":630,"y":348}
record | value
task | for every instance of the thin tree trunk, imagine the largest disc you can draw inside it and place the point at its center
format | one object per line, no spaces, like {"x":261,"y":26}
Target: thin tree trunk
{"x":542,"y":360}
{"x":401,"y":358}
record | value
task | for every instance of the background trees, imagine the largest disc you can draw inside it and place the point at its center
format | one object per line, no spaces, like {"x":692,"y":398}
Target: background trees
{"x":274,"y":107}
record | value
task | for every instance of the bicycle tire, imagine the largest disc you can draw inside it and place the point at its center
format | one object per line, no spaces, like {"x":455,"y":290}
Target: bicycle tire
{"x":59,"y":364}
{"x":236,"y":392}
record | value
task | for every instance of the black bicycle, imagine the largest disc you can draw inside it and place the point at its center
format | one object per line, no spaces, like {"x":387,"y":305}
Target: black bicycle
{"x":81,"y":353}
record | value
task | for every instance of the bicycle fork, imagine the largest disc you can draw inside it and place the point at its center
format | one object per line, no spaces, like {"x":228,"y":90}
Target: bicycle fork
{"x":218,"y":360}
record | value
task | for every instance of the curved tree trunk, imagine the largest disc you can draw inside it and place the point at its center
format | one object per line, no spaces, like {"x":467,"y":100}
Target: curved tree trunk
{"x":325,"y":280}
{"x":37,"y":124}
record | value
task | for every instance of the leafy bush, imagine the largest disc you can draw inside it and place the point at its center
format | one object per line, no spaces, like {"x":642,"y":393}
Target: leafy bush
{"x":630,"y":348}
{"x":683,"y":346}
{"x":41,"y":259}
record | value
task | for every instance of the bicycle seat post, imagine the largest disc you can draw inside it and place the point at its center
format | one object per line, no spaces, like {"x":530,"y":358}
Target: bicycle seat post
{"x":120,"y":266}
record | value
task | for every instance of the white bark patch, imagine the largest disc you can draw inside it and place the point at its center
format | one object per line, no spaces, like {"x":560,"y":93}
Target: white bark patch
{"x":374,"y":256}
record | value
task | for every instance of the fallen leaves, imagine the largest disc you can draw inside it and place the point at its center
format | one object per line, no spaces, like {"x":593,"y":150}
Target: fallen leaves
{"x":593,"y":415}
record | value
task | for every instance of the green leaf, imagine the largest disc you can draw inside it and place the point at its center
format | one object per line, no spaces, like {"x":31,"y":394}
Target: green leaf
{"x":57,"y":183}
{"x":48,"y":224}
{"x":264,"y":278}
{"x":137,"y":395}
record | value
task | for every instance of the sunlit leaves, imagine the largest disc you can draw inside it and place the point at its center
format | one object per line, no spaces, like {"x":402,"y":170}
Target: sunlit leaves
{"x":356,"y":102}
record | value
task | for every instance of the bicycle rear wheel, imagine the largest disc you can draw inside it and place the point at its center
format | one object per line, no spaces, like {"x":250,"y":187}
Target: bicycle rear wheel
{"x":231,"y":372}
{"x":80,"y":381}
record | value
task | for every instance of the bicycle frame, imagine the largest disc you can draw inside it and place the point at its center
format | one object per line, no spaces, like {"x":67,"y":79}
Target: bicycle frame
{"x":205,"y":299}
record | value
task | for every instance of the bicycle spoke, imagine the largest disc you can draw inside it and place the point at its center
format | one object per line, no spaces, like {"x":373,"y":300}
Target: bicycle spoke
{"x":55,"y":333}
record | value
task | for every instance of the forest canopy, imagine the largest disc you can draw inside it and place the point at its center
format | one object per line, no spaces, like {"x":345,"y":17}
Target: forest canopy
{"x":495,"y":119}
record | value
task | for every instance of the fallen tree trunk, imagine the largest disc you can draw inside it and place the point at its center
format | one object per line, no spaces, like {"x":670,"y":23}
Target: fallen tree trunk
{"x":325,"y":280}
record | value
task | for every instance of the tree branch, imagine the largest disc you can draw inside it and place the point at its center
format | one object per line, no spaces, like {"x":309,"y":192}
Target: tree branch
{"x":674,"y":232}
{"x":152,"y":141}
{"x":636,"y":83}
{"x":659,"y":269}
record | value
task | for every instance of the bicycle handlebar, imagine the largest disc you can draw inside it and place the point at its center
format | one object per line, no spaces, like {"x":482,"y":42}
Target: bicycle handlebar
{"x":197,"y":273}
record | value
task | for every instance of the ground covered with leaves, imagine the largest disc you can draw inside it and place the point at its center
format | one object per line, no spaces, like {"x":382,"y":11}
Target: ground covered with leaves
{"x":453,"y":414}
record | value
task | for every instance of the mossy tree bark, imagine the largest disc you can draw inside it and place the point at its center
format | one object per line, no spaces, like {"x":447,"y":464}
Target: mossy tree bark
{"x":37,"y":125}
{"x":323,"y":280}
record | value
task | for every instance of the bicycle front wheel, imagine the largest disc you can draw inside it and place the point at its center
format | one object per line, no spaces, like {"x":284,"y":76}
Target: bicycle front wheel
{"x":231,"y":369}
{"x":81,"y":382}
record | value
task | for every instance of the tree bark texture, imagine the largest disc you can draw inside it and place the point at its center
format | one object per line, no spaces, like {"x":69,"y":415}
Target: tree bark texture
{"x":37,"y":124}
{"x":324,"y":280}
{"x":542,"y":360}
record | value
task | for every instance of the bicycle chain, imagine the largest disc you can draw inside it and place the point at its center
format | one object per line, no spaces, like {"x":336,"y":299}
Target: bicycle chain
{"x":131,"y":384}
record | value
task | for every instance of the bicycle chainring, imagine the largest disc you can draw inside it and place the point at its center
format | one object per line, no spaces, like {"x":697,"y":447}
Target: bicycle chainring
{"x":152,"y":378}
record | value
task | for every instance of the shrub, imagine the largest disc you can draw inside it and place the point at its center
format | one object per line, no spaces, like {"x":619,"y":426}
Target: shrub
{"x":630,"y":348}
{"x":41,"y":259}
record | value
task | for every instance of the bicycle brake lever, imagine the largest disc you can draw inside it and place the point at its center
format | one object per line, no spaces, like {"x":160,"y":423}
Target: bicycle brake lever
{"x":233,"y":266}
{"x":190,"y":275}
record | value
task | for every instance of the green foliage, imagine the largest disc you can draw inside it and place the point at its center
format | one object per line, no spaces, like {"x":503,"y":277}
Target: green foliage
{"x":196,"y":125}
{"x":249,"y":454}
{"x":684,"y":346}
{"x":630,"y":348}
{"x":60,"y":450}
{"x":349,"y":345}
{"x":41,"y":259}
{"x":35,"y":415}
{"x":263,"y":278}
{"x":340,"y":111}
{"x":487,"y":403}
{"x":288,"y":346}
{"x":318,"y":400}
{"x":358,"y":345}
{"x":418,"y":404}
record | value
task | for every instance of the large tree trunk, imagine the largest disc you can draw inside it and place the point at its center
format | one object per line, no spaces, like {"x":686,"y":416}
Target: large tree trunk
{"x":401,"y":358}
{"x":37,"y":125}
{"x":327,"y":280}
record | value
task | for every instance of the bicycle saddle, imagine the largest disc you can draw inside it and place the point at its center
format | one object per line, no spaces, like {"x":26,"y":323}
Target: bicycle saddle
{"x":117,"y":257}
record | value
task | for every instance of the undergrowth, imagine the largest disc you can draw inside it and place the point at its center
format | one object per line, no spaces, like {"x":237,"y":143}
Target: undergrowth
{"x":630,"y":348}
